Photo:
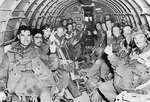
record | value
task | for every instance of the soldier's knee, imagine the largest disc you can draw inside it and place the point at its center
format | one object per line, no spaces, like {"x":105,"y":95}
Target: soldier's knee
{"x":15,"y":98}
{"x":45,"y":97}
{"x":106,"y":86}
{"x":102,"y":85}
{"x":96,"y":97}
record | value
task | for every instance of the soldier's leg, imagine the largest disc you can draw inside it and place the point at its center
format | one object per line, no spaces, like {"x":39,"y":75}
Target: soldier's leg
{"x":52,"y":84}
{"x":104,"y":70}
{"x":108,"y":90}
{"x":15,"y":98}
{"x":45,"y":96}
{"x":96,"y":97}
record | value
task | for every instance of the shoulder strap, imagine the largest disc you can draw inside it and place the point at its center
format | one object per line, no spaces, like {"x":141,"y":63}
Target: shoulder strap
{"x":61,"y":54}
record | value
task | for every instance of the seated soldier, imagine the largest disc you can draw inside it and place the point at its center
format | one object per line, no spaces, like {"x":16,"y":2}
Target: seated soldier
{"x":127,"y":75}
{"x":21,"y":65}
{"x":47,"y":32}
{"x":99,"y":68}
{"x":98,"y":72}
{"x":50,"y":61}
{"x":107,"y":88}
{"x":140,"y":54}
{"x":60,"y":50}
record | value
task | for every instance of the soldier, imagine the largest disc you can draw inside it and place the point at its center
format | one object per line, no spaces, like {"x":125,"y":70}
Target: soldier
{"x":69,"y":20}
{"x":142,"y":49}
{"x":74,"y":26}
{"x":107,"y":17}
{"x":127,"y":44}
{"x":113,"y":52}
{"x":114,"y":38}
{"x":141,"y":54}
{"x":52,"y":62}
{"x":20,"y":63}
{"x":127,"y":75}
{"x":107,"y":88}
{"x":99,"y":69}
{"x":100,"y":35}
{"x":76,"y":31}
{"x":145,"y":30}
{"x":62,"y":72}
{"x":37,"y":37}
{"x":69,"y":33}
{"x":64,"y":22}
{"x":47,"y":32}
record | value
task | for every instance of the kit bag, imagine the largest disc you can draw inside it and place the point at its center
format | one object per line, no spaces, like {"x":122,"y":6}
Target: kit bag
{"x":73,"y":89}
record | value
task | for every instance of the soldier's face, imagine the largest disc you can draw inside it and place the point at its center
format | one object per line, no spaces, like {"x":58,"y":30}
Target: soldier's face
{"x":69,"y":27}
{"x":107,"y":17}
{"x":140,"y":40}
{"x":37,"y":39}
{"x":64,"y":22}
{"x":116,"y":31}
{"x":60,"y":32}
{"x":142,"y":71}
{"x":74,"y":25}
{"x":47,"y":32}
{"x":70,"y":21}
{"x":25,"y":37}
{"x":126,"y":31}
{"x":98,"y":26}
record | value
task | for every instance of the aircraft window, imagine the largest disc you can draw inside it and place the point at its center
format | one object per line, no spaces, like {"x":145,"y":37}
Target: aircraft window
{"x":88,"y":18}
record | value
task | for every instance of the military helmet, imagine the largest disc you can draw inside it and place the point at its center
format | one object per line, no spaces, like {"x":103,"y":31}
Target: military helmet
{"x":138,"y":32}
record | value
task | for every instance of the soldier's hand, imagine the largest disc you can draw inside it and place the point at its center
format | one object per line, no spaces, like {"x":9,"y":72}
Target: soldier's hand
{"x":139,"y":91}
{"x":109,"y":77}
{"x":109,"y":34}
{"x":83,"y":73}
{"x":2,"y":96}
{"x":108,"y":50}
{"x":75,"y":41}
{"x":95,"y":32}
{"x":53,"y":32}
{"x":134,"y":56}
{"x":65,"y":31}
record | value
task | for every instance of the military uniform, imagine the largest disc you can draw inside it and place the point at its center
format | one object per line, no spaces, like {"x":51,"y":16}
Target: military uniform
{"x":141,"y":55}
{"x":20,"y":63}
{"x":101,"y":38}
{"x":128,"y":75}
{"x":62,"y":74}
{"x":45,"y":46}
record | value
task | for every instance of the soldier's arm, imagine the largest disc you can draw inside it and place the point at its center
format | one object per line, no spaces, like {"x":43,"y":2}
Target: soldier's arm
{"x":48,"y":61}
{"x":109,"y":40}
{"x":109,"y":37}
{"x":3,"y":73}
{"x":51,"y":61}
{"x":114,"y":60}
{"x":111,"y":56}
